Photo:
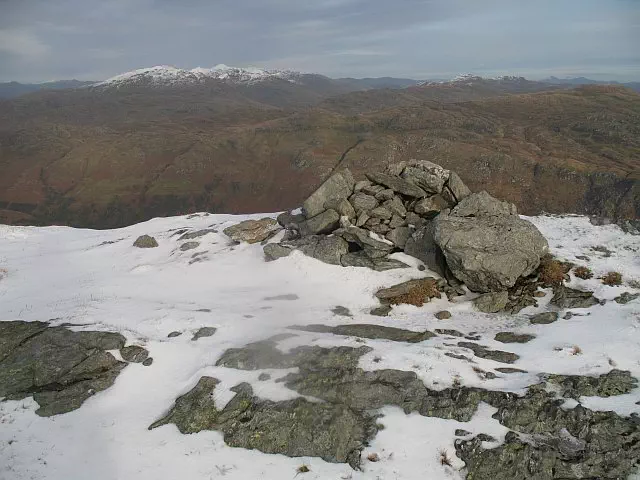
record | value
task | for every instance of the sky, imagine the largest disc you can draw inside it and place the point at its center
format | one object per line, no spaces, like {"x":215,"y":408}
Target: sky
{"x":45,"y":40}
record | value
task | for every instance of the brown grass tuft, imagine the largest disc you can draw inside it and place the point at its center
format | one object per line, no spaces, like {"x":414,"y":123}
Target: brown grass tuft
{"x":576,"y":350}
{"x":551,"y":272}
{"x":303,"y":469}
{"x":444,"y":458}
{"x":612,"y":279}
{"x":582,"y":272}
{"x":418,"y":295}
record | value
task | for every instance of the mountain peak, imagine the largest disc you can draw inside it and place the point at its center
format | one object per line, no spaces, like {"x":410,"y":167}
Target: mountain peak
{"x":167,"y":75}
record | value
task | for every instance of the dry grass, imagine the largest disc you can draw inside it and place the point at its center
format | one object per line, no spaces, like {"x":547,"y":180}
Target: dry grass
{"x":303,"y":469}
{"x":551,"y":272}
{"x":444,"y":458}
{"x":582,"y":272}
{"x":418,"y":295}
{"x":576,"y":350}
{"x":612,"y":279}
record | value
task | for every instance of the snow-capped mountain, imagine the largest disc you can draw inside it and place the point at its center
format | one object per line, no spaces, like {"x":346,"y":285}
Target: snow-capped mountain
{"x":470,"y":79}
{"x":165,"y":75}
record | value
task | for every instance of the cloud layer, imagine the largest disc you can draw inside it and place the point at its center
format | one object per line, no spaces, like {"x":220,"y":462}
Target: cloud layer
{"x":42,"y":40}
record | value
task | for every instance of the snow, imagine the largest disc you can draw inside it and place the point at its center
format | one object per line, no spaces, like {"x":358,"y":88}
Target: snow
{"x":163,"y":75}
{"x":98,"y":280}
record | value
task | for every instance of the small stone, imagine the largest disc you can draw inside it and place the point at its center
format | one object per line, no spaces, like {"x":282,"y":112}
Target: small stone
{"x":510,"y":370}
{"x":381,"y":212}
{"x":483,"y":437}
{"x":203,"y":332}
{"x":148,"y":362}
{"x":252,"y":231}
{"x":372,"y":190}
{"x":361,"y":184}
{"x":443,"y":315}
{"x":189,"y":246}
{"x":386,"y":194}
{"x":568,"y":315}
{"x":395,"y":206}
{"x":381,"y":311}
{"x":134,"y":354}
{"x":362,"y":219}
{"x":544,"y":318}
{"x":342,"y":206}
{"x":174,"y":334}
{"x":457,"y":187}
{"x":399,"y":236}
{"x":263,"y":377}
{"x":490,"y":375}
{"x":397,"y":184}
{"x":325,"y":222}
{"x":492,"y":302}
{"x":290,"y":221}
{"x":461,"y":433}
{"x":422,"y":268}
{"x":414,"y":219}
{"x":430,"y":207}
{"x":396,"y":221}
{"x":539,"y":294}
{"x":510,"y":337}
{"x":145,"y":241}
{"x":341,"y":311}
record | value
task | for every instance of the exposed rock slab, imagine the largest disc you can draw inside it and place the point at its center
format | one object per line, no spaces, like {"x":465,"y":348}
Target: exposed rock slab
{"x":615,"y":382}
{"x":361,"y":259}
{"x":374,"y":248}
{"x":544,"y":318}
{"x":397,"y":184}
{"x":60,"y":368}
{"x":492,"y":302}
{"x":364,"y":330}
{"x":511,"y":337}
{"x":482,"y":204}
{"x":565,"y":297}
{"x":328,"y":249}
{"x":484,"y":352}
{"x":145,"y":241}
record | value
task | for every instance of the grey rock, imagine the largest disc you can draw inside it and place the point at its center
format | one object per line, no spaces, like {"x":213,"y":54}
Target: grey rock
{"x":60,"y":368}
{"x":147,"y":362}
{"x":449,"y":331}
{"x":253,"y":231}
{"x":482,"y":205}
{"x":174,"y":334}
{"x":448,"y":196}
{"x":484,"y":352}
{"x":361,"y":184}
{"x":145,"y":241}
{"x":428,"y":181}
{"x":397,"y":221}
{"x":341,"y":311}
{"x":459,"y":190}
{"x":397,"y":184}
{"x":443,"y":315}
{"x":509,"y":370}
{"x":421,"y":245}
{"x":134,"y":354}
{"x":395,"y":168}
{"x":360,"y":259}
{"x":565,"y":297}
{"x":489,"y":254}
{"x":431,"y":206}
{"x":373,"y":248}
{"x":372,"y":222}
{"x":362,"y":202}
{"x":395,"y":206}
{"x":414,"y":219}
{"x":373,"y":190}
{"x":339,"y":433}
{"x":381,"y":212}
{"x":337,"y":186}
{"x":461,"y":433}
{"x":510,"y":337}
{"x":399,"y":236}
{"x":203,"y":332}
{"x":327,"y":249}
{"x":626,"y":297}
{"x":380,"y":228}
{"x":385,"y":194}
{"x":342,"y":206}
{"x":381,"y":311}
{"x":364,"y":330}
{"x":615,"y":382}
{"x":362,"y":219}
{"x":189,"y":246}
{"x":543,"y":318}
{"x":290,"y":221}
{"x":263,"y":377}
{"x":325,"y":222}
{"x":492,"y":302}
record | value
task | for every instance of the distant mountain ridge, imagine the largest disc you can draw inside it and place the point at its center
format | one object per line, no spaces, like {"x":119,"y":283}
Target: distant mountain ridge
{"x":15,"y":89}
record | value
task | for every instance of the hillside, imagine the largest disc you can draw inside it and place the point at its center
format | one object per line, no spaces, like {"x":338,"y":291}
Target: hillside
{"x":109,"y":157}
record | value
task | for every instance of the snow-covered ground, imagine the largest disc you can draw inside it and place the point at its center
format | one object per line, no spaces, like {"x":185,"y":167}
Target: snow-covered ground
{"x":98,"y":279}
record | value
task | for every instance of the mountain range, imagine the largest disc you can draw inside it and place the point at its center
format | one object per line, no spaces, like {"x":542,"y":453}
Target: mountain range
{"x":165,"y":141}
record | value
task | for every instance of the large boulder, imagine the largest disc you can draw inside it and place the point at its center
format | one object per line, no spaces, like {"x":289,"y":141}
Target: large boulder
{"x":337,"y":186}
{"x":457,"y":187}
{"x":252,"y":231}
{"x":489,"y":254}
{"x":325,"y":222}
{"x":426,"y":175}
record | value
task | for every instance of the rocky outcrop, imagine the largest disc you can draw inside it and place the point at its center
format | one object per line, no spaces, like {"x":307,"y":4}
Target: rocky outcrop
{"x":145,"y":241}
{"x":59,"y":367}
{"x":425,"y":211}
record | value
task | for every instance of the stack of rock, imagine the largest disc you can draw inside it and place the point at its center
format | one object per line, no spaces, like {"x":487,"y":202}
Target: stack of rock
{"x":419,"y":208}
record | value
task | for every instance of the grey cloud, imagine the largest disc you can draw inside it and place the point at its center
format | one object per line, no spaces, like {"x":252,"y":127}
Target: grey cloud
{"x":43,"y":40}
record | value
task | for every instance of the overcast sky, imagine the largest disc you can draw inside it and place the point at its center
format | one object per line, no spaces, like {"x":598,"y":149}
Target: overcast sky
{"x":43,"y":40}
